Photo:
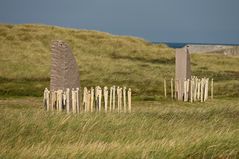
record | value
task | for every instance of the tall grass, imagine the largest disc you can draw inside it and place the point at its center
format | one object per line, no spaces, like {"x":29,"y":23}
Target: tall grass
{"x":103,"y":59}
{"x":153,"y":130}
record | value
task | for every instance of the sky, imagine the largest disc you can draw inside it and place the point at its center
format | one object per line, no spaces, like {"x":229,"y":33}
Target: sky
{"x":195,"y":21}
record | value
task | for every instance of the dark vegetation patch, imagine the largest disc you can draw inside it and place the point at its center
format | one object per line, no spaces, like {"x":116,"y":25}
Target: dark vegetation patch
{"x":32,"y":79}
{"x":218,"y":76}
{"x":161,"y":60}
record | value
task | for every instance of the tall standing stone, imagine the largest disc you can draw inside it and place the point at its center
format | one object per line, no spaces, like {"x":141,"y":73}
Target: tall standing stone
{"x":183,"y":68}
{"x":64,"y":69}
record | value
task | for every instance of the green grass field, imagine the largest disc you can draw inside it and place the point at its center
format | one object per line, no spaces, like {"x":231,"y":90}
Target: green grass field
{"x":157,"y":128}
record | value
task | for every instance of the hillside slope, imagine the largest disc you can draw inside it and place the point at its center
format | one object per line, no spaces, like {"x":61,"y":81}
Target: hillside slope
{"x":103,"y":59}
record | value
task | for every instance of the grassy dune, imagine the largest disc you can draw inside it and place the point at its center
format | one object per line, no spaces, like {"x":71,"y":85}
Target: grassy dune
{"x":154,"y":130}
{"x":103,"y":59}
{"x":157,"y":127}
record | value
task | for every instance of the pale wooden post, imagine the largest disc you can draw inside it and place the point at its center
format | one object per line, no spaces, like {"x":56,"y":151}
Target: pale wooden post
{"x":88,"y":101}
{"x":44,"y":98}
{"x":199,"y":89}
{"x":64,"y":99}
{"x":60,"y":100}
{"x":67,"y":100}
{"x":84,"y":98}
{"x":118,"y":98}
{"x":113,"y":98}
{"x":111,"y":93}
{"x":188,"y":86}
{"x":129,"y":99}
{"x":191,"y":90}
{"x":73,"y":101}
{"x":92,"y":99}
{"x":180,"y":92}
{"x":175,"y":89}
{"x":100,"y":97}
{"x":185,"y":90}
{"x":206,"y":90}
{"x":165,"y":88}
{"x":48,"y":100}
{"x":178,"y":89}
{"x":195,"y":89}
{"x":171,"y":88}
{"x":212,"y":88}
{"x":106,"y":98}
{"x":202,"y":88}
{"x":124,"y":99}
{"x":207,"y":87}
{"x":77,"y":101}
{"x":52,"y":100}
{"x":97,"y":98}
{"x":57,"y":97}
{"x":120,"y":101}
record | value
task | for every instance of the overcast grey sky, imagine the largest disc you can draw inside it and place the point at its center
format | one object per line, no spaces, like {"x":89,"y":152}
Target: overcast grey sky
{"x":204,"y":21}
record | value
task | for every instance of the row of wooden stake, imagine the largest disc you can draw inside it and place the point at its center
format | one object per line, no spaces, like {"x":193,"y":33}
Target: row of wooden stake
{"x":192,"y":90}
{"x":93,"y":100}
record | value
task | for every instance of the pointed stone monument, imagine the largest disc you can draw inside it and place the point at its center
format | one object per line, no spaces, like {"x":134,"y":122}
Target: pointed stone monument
{"x":183,"y":68}
{"x":64,"y":69}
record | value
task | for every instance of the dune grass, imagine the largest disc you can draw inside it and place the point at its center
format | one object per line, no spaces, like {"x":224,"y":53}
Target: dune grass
{"x":157,"y":128}
{"x":154,"y":130}
{"x":103,"y":59}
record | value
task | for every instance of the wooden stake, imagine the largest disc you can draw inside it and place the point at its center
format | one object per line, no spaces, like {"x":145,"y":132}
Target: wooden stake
{"x":73,"y":101}
{"x":44,"y":98}
{"x":199,"y":89}
{"x":68,"y":100}
{"x":202,"y":88}
{"x":84,"y":98}
{"x":191,"y":90}
{"x":124,"y":99}
{"x":176,"y":89}
{"x":59,"y":100}
{"x":185,"y":90}
{"x":77,"y":101}
{"x":212,"y":88}
{"x":64,"y":99}
{"x":48,"y":100}
{"x":120,"y":99}
{"x":100,"y":97}
{"x":206,"y":90}
{"x":129,"y":99}
{"x":180,"y":90}
{"x":188,"y":86}
{"x":113,"y":98}
{"x":52,"y":100}
{"x":195,"y":89}
{"x":88,"y":101}
{"x":111,"y":94}
{"x":92,"y":99}
{"x":165,"y":88}
{"x":106,"y":98}
{"x":171,"y":88}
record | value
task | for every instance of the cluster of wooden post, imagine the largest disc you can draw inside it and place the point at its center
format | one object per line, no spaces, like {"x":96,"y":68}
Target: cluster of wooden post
{"x":60,"y":100}
{"x":191,"y":90}
{"x":105,"y":100}
{"x":93,"y":100}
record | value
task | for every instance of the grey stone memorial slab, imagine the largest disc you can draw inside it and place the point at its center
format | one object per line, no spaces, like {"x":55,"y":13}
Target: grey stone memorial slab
{"x":64,"y":69}
{"x":183,"y":68}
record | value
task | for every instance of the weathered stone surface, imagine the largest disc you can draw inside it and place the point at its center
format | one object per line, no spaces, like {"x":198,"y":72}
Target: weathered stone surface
{"x":64,"y":69}
{"x":183,"y":68}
